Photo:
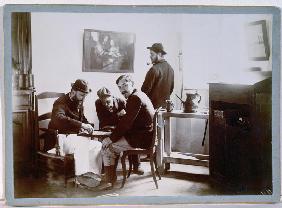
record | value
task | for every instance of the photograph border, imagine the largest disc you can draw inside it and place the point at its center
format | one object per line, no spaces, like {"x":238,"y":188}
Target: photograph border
{"x":9,"y":187}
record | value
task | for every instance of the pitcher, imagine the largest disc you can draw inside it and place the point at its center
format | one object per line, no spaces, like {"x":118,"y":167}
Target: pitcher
{"x":192,"y":102}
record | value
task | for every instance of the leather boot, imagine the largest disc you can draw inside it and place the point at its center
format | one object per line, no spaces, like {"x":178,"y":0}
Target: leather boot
{"x":108,"y":178}
{"x":114,"y":172}
{"x":137,"y":165}
{"x":113,"y":175}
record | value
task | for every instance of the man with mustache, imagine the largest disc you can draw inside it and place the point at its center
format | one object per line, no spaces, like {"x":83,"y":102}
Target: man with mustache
{"x":110,"y":110}
{"x":159,"y":80}
{"x":68,"y":118}
{"x":134,"y":129}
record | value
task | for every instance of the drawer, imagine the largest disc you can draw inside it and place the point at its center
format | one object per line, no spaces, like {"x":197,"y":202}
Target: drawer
{"x":23,"y":100}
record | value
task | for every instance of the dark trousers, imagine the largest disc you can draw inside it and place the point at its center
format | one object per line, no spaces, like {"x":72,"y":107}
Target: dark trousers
{"x":135,"y":161}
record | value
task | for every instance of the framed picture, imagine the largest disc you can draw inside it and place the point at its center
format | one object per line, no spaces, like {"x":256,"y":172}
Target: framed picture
{"x":259,"y":49}
{"x":107,"y":51}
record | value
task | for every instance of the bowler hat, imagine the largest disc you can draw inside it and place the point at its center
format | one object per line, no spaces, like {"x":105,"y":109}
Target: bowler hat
{"x":157,"y":47}
{"x":81,"y":85}
{"x":103,"y":93}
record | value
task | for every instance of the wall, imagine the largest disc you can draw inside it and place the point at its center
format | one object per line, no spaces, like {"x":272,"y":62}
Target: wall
{"x":57,"y":49}
{"x":220,"y":49}
{"x":214,"y":48}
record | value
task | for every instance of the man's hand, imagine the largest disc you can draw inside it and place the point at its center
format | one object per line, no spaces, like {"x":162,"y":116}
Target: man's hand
{"x":106,"y":142}
{"x":87,"y":127}
{"x":108,"y":128}
{"x":121,"y":113}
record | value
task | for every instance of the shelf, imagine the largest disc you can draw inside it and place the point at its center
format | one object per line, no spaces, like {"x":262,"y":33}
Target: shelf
{"x":187,"y":159}
{"x":181,"y":114}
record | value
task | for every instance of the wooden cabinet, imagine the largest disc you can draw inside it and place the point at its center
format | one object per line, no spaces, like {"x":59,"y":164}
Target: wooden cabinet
{"x":23,"y":131}
{"x":240,"y":136}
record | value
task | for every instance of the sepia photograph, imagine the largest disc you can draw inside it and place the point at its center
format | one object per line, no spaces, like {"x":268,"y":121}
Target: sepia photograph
{"x":167,"y":105}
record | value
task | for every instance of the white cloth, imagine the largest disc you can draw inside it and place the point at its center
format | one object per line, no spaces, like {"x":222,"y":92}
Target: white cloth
{"x":87,"y":153}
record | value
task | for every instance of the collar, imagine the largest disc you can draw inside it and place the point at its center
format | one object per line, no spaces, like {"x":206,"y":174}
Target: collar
{"x":160,"y":61}
{"x":135,"y":90}
{"x":69,"y":98}
{"x":71,"y":102}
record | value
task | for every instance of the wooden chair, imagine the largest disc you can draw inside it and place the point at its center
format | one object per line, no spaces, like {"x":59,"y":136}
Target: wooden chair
{"x":151,"y":152}
{"x":46,"y":139}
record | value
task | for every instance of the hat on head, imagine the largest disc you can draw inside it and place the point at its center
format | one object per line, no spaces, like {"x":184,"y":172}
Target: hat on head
{"x":81,"y":85}
{"x":103,"y":93}
{"x":157,"y":47}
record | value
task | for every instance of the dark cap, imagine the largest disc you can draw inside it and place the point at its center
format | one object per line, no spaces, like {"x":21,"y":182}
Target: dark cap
{"x":158,"y":48}
{"x":81,"y":85}
{"x":103,"y":93}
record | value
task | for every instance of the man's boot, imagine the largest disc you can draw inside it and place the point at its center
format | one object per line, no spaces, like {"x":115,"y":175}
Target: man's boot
{"x":115,"y":170}
{"x":137,"y":165}
{"x":113,"y":175}
{"x":108,"y":178}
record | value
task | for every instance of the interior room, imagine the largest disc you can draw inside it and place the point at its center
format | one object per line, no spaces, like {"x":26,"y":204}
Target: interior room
{"x":225,"y":58}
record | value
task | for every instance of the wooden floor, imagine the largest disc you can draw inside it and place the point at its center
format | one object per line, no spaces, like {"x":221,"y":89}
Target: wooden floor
{"x":180,"y":180}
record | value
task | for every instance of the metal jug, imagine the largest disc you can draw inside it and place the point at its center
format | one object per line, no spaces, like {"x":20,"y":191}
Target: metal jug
{"x":191,"y":103}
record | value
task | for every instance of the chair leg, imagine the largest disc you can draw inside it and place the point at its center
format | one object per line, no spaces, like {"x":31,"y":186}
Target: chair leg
{"x":153,"y":171}
{"x":156,"y":167}
{"x":130,"y":165}
{"x":123,"y":169}
{"x":65,"y":172}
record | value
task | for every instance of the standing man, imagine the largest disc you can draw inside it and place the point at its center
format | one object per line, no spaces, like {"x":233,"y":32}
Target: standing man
{"x":68,"y":118}
{"x":134,"y":130}
{"x":110,"y":110}
{"x":159,"y":80}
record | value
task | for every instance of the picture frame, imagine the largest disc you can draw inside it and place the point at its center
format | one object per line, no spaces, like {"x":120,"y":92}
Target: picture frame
{"x":108,"y":51}
{"x":259,"y":48}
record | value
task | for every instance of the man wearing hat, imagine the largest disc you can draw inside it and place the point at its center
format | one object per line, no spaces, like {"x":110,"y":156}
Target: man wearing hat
{"x":110,"y":110}
{"x":68,"y":118}
{"x":159,"y":80}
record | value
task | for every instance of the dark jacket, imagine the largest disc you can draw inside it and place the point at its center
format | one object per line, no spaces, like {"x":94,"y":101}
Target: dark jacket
{"x":137,"y":124}
{"x":67,"y":116}
{"x":107,"y":118}
{"x":159,"y":83}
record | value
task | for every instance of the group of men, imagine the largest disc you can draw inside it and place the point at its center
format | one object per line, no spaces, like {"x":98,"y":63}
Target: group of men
{"x":129,"y":120}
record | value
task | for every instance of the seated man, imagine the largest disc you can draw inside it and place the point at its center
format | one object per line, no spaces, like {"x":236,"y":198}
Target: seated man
{"x":134,"y":129}
{"x":110,"y":110}
{"x":68,"y":118}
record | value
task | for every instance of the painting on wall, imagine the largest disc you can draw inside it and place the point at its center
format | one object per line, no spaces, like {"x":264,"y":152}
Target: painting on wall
{"x":259,"y":49}
{"x":107,"y":51}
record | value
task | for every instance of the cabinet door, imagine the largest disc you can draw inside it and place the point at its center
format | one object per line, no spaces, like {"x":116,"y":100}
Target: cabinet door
{"x":217,"y":144}
{"x":22,"y":142}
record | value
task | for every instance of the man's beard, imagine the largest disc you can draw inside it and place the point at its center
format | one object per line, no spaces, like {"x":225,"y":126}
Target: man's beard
{"x":76,"y":102}
{"x":155,"y":60}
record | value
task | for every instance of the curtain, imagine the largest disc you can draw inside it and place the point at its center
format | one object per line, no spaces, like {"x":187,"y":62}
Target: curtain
{"x":21,"y":43}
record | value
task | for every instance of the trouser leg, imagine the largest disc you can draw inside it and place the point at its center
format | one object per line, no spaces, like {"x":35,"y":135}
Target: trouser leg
{"x":135,"y":161}
{"x":110,"y":159}
{"x":114,"y":176}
